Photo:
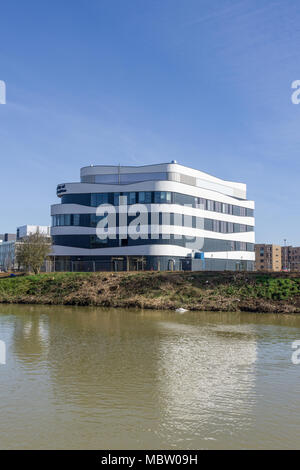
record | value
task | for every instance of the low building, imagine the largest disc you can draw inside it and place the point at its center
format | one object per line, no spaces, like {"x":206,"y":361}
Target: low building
{"x":26,"y":230}
{"x":8,"y":256}
{"x":8,"y":247}
{"x":268,"y":258}
{"x":7,"y":237}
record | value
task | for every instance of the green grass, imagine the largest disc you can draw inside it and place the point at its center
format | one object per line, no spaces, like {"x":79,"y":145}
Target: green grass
{"x":157,"y":290}
{"x":265,"y":287}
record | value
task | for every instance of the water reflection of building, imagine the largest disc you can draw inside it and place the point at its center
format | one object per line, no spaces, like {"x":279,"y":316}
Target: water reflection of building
{"x":207,"y":381}
{"x":101,"y":371}
{"x":128,"y":375}
{"x":30,"y":335}
{"x":89,"y":378}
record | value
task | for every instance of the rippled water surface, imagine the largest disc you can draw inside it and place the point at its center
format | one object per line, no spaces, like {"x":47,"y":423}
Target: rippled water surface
{"x":112,"y":379}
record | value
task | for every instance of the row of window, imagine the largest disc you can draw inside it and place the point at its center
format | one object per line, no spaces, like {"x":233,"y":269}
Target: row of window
{"x":155,"y":197}
{"x":91,"y":220}
{"x":124,"y":178}
{"x":205,"y":245}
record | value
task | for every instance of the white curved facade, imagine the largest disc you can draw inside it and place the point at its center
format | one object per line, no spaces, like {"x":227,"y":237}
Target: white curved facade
{"x":191,"y":216}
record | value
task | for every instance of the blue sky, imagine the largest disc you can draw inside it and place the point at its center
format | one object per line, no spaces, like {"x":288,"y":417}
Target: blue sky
{"x":147,"y":81}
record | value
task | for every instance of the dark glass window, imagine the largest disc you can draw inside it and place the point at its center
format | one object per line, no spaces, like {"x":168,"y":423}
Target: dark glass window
{"x":99,"y":198}
{"x":82,"y":199}
{"x":162,"y":197}
{"x":76,"y":219}
{"x":116,"y":199}
{"x":208,"y":224}
{"x":235,"y":210}
{"x":145,"y":197}
{"x":132,"y":198}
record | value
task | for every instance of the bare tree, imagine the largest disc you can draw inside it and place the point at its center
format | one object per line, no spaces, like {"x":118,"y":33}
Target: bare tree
{"x":33,"y":251}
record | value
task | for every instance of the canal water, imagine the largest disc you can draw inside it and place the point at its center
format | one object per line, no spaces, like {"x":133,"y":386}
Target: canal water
{"x":90,"y":378}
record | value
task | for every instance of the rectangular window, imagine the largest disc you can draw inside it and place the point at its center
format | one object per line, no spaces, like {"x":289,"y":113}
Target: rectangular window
{"x":116,"y":199}
{"x":208,"y":224}
{"x":68,"y":219}
{"x":145,"y":197}
{"x":188,"y":221}
{"x":210,"y":205}
{"x":218,"y":206}
{"x":230,"y":227}
{"x":99,"y":198}
{"x":225,"y":208}
{"x":201,"y":203}
{"x":216,"y":226}
{"x":162,"y":197}
{"x":235,"y":210}
{"x":131,"y":198}
{"x":223,"y":226}
{"x":76,"y":219}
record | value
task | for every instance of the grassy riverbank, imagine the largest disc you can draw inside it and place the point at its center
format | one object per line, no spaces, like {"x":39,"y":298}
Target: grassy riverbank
{"x":276,"y":292}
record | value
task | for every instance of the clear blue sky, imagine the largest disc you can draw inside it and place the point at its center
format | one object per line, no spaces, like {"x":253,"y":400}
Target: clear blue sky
{"x":147,"y":81}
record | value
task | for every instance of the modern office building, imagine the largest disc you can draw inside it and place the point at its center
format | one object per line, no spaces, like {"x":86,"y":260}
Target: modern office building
{"x":268,"y":257}
{"x":156,"y":217}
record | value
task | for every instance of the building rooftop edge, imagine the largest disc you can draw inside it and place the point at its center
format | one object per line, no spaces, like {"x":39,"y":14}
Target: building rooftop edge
{"x":229,"y":182}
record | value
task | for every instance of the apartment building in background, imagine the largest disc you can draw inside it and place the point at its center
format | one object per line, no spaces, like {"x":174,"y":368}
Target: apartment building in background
{"x":194,"y":221}
{"x":290,"y":258}
{"x":268,"y":257}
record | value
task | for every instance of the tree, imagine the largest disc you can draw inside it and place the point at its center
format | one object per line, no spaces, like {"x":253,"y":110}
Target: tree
{"x":32,"y":252}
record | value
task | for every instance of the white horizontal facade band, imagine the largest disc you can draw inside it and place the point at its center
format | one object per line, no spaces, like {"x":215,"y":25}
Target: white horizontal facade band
{"x":169,"y":186}
{"x":231,"y":255}
{"x":59,"y":209}
{"x":248,"y":237}
{"x":146,"y":250}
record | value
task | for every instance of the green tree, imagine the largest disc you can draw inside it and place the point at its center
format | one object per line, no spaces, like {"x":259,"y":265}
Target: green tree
{"x":33,"y":251}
